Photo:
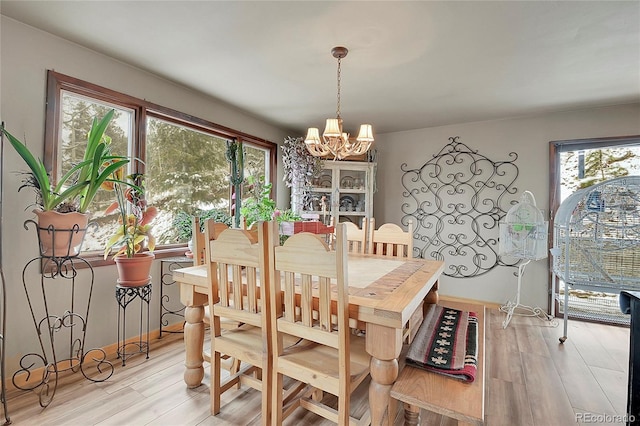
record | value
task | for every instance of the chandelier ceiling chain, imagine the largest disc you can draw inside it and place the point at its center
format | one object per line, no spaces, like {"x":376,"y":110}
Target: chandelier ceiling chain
{"x":339,"y":81}
{"x":335,"y":142}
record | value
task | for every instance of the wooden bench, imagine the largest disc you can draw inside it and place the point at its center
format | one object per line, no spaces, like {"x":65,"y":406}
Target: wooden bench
{"x":420,"y":389}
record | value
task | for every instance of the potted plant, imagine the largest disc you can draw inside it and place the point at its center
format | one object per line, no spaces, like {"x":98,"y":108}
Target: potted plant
{"x":133,"y":231}
{"x":260,"y":207}
{"x":63,"y":206}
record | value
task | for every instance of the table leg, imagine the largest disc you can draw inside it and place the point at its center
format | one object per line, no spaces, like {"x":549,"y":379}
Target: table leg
{"x":432,"y":296}
{"x":193,"y":342}
{"x":384,"y":345}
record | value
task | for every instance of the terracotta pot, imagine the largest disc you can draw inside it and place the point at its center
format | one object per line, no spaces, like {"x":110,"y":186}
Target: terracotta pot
{"x":61,"y":234}
{"x":134,"y":271}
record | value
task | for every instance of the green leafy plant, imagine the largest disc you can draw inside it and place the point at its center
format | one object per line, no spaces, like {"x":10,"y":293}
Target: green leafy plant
{"x":260,"y":207}
{"x":182,"y":221}
{"x":78,"y":187}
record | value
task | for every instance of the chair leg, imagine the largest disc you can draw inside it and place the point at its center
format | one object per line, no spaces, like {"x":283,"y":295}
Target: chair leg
{"x":411,"y":415}
{"x":215,"y":383}
{"x":234,"y":369}
{"x":276,"y":392}
{"x":343,"y":409}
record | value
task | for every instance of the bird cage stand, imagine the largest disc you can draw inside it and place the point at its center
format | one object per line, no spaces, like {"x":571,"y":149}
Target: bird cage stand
{"x":523,"y":235}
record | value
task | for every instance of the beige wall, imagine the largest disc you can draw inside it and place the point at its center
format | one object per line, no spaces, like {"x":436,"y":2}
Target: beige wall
{"x":529,"y":138}
{"x":26,"y":54}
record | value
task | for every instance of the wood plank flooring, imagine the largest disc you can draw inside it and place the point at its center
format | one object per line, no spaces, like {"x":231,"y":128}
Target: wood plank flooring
{"x":531,"y":379}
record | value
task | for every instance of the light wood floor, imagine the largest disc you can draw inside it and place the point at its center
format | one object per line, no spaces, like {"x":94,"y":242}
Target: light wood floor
{"x":531,"y":380}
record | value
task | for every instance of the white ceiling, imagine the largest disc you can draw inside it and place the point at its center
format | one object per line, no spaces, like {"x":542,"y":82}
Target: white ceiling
{"x":410,"y":64}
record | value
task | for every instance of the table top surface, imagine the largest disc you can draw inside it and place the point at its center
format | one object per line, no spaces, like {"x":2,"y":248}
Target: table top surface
{"x":381,"y":290}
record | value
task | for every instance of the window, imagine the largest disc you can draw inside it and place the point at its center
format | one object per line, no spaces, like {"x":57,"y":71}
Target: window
{"x":182,"y":157}
{"x":576,"y":164}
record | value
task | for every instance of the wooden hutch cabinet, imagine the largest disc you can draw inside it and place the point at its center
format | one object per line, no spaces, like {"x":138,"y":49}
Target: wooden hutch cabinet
{"x":343,"y":191}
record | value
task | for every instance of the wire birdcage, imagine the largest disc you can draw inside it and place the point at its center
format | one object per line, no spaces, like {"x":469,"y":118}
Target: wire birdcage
{"x":597,"y":238}
{"x":523,"y":235}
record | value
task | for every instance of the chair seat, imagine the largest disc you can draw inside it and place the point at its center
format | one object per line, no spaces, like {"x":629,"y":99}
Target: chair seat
{"x":318,"y":365}
{"x":241,"y":342}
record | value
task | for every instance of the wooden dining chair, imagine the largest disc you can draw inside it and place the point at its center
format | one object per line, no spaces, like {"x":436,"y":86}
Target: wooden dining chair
{"x":356,"y":237}
{"x":390,"y":240}
{"x":328,"y":356}
{"x":232,"y":365}
{"x":239,"y":291}
{"x":197,"y":240}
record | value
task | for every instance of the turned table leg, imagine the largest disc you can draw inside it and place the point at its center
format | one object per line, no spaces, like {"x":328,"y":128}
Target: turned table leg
{"x":384,"y":345}
{"x":193,"y":341}
{"x":411,"y":415}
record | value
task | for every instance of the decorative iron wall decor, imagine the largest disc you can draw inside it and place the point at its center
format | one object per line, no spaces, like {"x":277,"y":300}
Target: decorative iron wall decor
{"x":458,"y":198}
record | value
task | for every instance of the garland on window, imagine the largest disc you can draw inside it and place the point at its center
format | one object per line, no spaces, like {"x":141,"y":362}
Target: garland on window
{"x":235,"y":156}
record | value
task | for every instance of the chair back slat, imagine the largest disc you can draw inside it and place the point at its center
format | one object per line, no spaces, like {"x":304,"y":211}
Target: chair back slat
{"x":253,"y":295}
{"x":390,"y":240}
{"x":289,"y":296}
{"x":236,"y":284}
{"x":324,"y":306}
{"x":306,"y":301}
{"x":222,"y":280}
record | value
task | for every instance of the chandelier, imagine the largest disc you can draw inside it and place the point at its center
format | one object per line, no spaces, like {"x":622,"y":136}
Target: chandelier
{"x":336,"y":143}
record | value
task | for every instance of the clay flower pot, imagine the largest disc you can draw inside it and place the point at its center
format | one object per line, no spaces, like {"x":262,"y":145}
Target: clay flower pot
{"x":61,"y":234}
{"x":134,"y":271}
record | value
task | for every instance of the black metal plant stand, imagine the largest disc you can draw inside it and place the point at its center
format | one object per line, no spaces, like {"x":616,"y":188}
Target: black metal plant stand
{"x":3,"y":296}
{"x":167,"y":310}
{"x":59,"y":306}
{"x":3,"y":318}
{"x":124,"y":296}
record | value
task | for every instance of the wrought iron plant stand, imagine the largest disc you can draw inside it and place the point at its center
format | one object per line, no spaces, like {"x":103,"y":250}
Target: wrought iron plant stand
{"x":59,"y":306}
{"x":168,"y":310}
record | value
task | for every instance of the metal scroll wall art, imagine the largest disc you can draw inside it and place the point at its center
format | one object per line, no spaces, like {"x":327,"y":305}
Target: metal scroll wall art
{"x":457,"y":200}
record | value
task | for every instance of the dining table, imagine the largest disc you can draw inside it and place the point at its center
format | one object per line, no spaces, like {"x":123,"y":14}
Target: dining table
{"x":384,"y":294}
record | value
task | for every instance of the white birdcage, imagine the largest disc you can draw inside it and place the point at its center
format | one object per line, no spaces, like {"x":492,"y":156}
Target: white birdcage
{"x":523,"y":235}
{"x":597,"y":238}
